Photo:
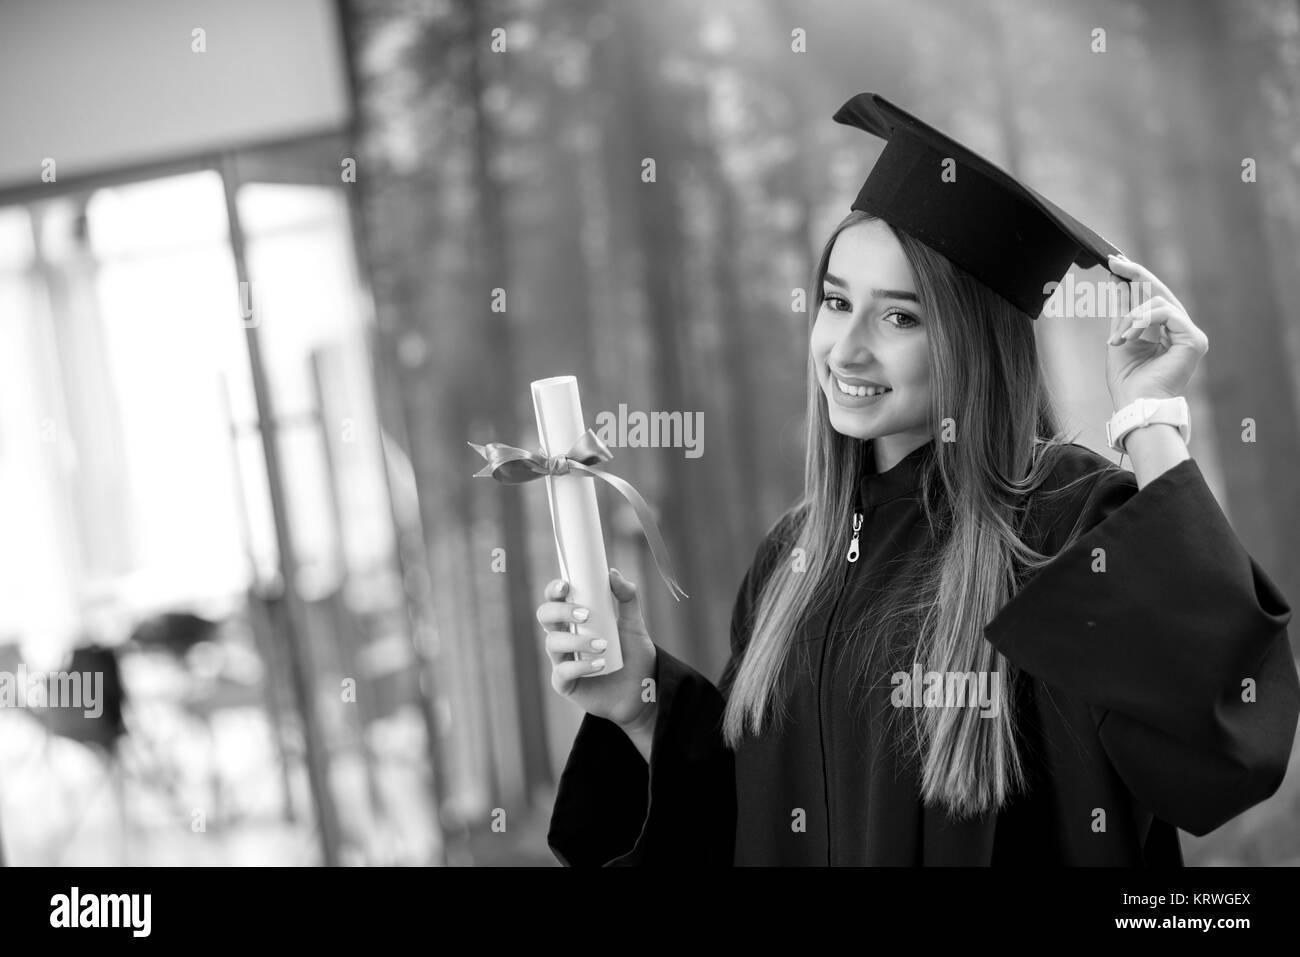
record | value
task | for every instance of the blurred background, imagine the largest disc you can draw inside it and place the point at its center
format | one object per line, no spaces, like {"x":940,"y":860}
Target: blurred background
{"x":266,"y":268}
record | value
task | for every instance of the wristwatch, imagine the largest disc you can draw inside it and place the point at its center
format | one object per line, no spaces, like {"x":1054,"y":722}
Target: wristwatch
{"x":1143,"y":412}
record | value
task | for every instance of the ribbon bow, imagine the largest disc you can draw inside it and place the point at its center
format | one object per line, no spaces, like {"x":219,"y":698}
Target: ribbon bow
{"x":514,"y":466}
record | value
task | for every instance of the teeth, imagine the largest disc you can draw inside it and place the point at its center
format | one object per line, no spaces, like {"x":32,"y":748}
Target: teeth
{"x":861,"y":390}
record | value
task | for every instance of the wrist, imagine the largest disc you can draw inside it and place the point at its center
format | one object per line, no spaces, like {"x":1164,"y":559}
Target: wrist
{"x":1154,"y":450}
{"x":1128,"y":397}
{"x":644,"y":723}
{"x":1157,"y":435}
{"x":641,"y":732}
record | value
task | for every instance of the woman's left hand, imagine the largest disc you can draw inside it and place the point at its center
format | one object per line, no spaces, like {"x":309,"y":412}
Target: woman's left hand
{"x":1137,"y":368}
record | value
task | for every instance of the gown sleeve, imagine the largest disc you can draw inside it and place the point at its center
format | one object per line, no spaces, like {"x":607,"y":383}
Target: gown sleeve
{"x":612,"y":809}
{"x":1160,"y":620}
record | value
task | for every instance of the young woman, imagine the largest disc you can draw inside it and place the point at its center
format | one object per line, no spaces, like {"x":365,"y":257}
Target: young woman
{"x":971,"y":641}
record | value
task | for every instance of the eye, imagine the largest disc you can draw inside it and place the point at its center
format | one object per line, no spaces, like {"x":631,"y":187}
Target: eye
{"x":829,"y":298}
{"x":909,"y":321}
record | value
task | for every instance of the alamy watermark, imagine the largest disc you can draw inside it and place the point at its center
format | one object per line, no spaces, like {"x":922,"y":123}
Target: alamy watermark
{"x":657,"y":430}
{"x":947,"y":689}
{"x":129,"y":911}
{"x":1092,"y":299}
{"x":26,"y":688}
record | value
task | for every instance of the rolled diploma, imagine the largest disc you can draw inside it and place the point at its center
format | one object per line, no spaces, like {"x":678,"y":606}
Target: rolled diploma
{"x":576,"y":518}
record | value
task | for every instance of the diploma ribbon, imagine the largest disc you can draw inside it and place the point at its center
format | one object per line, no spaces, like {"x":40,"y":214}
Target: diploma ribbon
{"x":514,"y":466}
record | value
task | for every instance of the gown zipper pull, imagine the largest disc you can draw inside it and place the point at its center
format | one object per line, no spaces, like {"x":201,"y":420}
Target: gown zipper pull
{"x":853,"y":545}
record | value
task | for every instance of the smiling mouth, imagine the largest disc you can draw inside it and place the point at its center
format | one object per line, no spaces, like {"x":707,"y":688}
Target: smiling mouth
{"x":859,"y":391}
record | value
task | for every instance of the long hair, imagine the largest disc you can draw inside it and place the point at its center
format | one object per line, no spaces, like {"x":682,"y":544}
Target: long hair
{"x":997,"y":439}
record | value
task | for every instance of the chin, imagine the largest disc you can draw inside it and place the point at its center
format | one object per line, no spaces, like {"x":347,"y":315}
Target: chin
{"x":856,"y":426}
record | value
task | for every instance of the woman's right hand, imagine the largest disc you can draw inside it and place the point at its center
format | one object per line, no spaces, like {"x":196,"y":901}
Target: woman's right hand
{"x":617,"y":697}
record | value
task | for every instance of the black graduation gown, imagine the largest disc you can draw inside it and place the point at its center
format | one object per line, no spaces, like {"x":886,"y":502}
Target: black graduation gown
{"x":1130,"y":703}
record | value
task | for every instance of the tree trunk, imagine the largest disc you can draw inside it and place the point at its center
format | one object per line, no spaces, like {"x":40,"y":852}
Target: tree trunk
{"x":492,"y":269}
{"x":634,"y":130}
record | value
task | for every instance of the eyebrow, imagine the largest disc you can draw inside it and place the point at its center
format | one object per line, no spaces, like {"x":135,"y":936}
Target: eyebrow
{"x":880,"y":293}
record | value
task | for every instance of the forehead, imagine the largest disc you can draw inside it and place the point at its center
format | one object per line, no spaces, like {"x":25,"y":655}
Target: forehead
{"x":868,"y":255}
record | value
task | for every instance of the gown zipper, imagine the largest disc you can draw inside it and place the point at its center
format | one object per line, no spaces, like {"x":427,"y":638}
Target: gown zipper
{"x":850,"y":558}
{"x":853,"y":545}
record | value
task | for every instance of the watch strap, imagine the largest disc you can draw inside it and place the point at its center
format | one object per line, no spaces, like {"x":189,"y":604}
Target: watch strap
{"x":1148,"y":411}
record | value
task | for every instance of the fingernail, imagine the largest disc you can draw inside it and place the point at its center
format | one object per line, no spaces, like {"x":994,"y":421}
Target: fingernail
{"x":581,"y":614}
{"x":600,"y":644}
{"x":598,"y":664}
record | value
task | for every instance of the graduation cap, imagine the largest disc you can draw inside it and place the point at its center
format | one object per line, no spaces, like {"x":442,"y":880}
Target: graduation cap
{"x":984,"y":220}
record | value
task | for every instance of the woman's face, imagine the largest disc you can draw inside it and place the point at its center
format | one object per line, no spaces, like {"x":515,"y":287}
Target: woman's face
{"x":870,"y":332}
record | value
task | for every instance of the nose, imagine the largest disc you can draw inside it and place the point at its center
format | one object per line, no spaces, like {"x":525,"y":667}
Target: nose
{"x":855,"y":347}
